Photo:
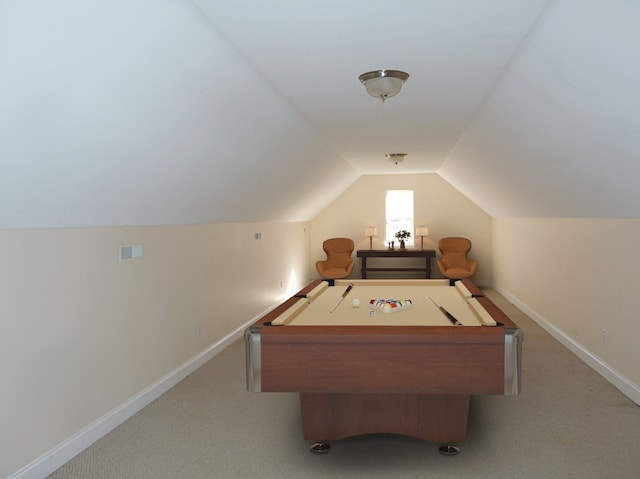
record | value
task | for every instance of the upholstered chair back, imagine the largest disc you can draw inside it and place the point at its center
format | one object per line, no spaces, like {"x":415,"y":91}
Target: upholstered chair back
{"x":454,"y":263}
{"x":338,"y":263}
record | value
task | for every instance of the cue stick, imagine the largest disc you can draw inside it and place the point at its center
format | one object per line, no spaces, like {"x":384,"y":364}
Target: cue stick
{"x":451,"y":317}
{"x":346,"y":292}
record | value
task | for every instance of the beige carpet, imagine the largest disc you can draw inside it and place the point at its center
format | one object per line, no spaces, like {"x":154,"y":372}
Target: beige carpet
{"x":567,"y":423}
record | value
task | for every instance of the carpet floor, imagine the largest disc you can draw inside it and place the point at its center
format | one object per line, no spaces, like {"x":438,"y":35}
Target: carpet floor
{"x":568,"y":422}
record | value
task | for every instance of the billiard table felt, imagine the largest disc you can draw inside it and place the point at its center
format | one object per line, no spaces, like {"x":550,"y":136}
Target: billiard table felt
{"x":315,"y":310}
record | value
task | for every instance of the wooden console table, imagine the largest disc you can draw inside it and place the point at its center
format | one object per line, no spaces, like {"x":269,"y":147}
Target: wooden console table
{"x":427,"y":254}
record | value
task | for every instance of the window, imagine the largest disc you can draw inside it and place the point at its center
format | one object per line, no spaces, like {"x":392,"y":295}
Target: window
{"x":399,"y":211}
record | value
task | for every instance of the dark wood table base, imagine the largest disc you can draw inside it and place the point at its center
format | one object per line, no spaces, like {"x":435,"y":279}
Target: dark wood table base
{"x":432,"y":418}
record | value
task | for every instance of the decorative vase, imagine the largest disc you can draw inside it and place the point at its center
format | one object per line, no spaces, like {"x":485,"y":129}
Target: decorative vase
{"x":402,"y":244}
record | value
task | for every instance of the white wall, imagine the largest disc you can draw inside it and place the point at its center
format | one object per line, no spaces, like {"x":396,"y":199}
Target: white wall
{"x":83,"y":333}
{"x":437,"y":205}
{"x":577,"y":277}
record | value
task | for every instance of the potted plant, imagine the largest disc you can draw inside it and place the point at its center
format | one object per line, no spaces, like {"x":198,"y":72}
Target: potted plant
{"x":402,"y":236}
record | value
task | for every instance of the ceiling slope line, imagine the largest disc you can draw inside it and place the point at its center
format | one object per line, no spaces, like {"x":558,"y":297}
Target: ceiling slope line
{"x":526,"y":40}
{"x":212,"y":25}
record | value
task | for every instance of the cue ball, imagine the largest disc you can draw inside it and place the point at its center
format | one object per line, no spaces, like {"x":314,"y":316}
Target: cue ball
{"x":356,"y":303}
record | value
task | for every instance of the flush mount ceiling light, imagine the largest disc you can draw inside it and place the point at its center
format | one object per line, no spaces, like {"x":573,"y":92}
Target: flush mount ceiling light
{"x":396,"y":157}
{"x":383,"y":84}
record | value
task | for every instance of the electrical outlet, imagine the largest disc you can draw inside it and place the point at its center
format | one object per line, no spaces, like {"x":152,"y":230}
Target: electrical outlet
{"x":128,"y":253}
{"x":136,"y":251}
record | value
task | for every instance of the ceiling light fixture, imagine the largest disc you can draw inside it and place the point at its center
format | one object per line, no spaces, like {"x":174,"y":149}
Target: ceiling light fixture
{"x":383,"y":84}
{"x":396,"y":157}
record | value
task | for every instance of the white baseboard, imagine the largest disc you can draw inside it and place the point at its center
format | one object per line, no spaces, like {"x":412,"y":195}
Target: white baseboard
{"x":625,"y":385}
{"x":68,"y":449}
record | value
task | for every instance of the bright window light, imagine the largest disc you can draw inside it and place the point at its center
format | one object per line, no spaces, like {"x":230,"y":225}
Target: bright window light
{"x":399,"y":211}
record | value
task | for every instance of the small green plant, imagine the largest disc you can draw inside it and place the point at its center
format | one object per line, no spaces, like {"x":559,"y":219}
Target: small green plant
{"x":402,"y":235}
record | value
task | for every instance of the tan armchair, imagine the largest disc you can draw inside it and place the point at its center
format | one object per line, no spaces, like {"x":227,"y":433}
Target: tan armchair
{"x":338,"y":263}
{"x":454,"y":263}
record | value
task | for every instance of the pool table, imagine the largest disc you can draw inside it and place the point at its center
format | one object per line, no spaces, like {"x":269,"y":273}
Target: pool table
{"x":361,"y":369}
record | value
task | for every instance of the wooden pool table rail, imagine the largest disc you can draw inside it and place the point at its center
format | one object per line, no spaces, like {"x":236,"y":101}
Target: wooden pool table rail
{"x":410,"y":380}
{"x":388,"y":359}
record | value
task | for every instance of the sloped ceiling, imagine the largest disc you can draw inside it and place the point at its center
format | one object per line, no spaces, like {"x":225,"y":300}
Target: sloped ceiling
{"x":121,"y":112}
{"x":560,"y":133}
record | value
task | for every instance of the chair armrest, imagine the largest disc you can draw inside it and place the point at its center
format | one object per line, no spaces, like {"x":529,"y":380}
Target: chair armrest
{"x":472,"y":266}
{"x":349,"y":267}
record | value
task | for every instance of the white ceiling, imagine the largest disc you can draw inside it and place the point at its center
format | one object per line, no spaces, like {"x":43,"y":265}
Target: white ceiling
{"x":455,"y":51}
{"x":139,"y":112}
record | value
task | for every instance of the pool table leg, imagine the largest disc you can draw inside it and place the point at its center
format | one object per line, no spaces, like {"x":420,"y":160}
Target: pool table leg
{"x":432,"y":418}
